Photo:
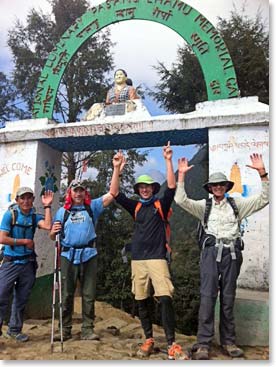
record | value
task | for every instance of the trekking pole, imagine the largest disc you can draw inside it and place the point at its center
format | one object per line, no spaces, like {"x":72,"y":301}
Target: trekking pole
{"x":57,"y":287}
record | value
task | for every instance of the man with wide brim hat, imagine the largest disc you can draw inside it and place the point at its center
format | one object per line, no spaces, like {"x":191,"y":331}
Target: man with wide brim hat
{"x":218,"y":178}
{"x":147,"y":180}
{"x":221,"y":251}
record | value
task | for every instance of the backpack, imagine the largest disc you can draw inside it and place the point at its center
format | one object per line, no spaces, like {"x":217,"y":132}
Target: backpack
{"x":166,"y":222}
{"x":14,"y":214}
{"x":208,"y":239}
{"x":68,"y":212}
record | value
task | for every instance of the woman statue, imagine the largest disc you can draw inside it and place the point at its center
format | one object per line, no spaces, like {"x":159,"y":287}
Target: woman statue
{"x":122,"y":90}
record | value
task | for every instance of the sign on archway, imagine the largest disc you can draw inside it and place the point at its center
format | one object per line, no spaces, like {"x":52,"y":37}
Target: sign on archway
{"x":192,"y":26}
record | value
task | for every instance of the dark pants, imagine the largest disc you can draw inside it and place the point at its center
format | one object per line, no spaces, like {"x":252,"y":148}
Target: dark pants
{"x":16,"y":279}
{"x":86,"y":273}
{"x":217,"y":276}
{"x":167,"y":316}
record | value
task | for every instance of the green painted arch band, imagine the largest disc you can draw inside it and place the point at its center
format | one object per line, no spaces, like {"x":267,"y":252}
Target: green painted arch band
{"x":206,"y":42}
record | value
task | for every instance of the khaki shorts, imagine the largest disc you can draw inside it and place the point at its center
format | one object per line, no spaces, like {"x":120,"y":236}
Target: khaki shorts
{"x":147,"y":272}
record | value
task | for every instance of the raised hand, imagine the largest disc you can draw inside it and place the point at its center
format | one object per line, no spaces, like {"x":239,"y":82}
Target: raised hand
{"x":47,"y":197}
{"x":183,"y":165}
{"x":123,"y":162}
{"x":117,"y":159}
{"x":167,"y":151}
{"x":256,"y":162}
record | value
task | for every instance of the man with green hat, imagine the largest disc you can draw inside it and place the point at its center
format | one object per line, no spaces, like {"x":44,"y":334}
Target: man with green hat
{"x":221,"y":256}
{"x":149,"y":266}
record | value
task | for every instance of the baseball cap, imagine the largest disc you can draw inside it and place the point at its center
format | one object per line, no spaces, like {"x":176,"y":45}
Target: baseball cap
{"x":24,"y":190}
{"x":77,"y":183}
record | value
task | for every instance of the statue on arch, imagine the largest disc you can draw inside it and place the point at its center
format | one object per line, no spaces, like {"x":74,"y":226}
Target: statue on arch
{"x":122,"y":92}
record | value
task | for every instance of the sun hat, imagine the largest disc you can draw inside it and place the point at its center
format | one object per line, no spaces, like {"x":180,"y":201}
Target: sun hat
{"x":218,"y":177}
{"x":145,"y":179}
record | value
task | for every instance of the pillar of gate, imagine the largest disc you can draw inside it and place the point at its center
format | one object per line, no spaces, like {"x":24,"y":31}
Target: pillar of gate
{"x":36,"y":165}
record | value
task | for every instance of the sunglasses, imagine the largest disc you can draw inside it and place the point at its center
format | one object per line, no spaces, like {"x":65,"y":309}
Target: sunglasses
{"x":219,"y":184}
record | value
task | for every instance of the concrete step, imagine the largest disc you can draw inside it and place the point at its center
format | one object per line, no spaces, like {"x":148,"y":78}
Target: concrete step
{"x":251,"y":314}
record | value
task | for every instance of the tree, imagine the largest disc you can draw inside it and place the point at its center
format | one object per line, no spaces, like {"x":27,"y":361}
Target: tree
{"x":247,"y":40}
{"x":9,"y":108}
{"x":84,"y":81}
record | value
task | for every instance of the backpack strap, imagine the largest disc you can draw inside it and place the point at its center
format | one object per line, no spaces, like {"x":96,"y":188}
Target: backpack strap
{"x":137,"y":208}
{"x":14,"y":214}
{"x":90,"y":212}
{"x":207,"y":212}
{"x":233,"y":204}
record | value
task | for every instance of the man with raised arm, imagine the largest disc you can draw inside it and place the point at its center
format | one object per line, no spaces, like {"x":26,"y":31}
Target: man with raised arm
{"x":221,"y":256}
{"x":76,"y":222}
{"x":149,"y":264}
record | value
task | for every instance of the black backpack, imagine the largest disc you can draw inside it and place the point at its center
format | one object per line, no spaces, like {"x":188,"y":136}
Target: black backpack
{"x":208,"y":239}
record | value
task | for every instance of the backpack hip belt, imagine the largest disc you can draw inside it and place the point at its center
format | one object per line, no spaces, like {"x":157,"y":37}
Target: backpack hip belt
{"x":90,"y":244}
{"x":221,"y":245}
{"x":30,"y":257}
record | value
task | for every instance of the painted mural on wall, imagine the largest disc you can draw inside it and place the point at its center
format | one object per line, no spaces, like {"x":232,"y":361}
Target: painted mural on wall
{"x":19,"y":169}
{"x":48,"y":180}
{"x":229,"y":152}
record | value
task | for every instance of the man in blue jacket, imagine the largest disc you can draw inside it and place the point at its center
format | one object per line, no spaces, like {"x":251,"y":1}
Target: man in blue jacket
{"x":76,"y":221}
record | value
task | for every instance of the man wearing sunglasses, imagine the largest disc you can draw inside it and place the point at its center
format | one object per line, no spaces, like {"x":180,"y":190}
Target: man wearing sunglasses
{"x":221,"y":256}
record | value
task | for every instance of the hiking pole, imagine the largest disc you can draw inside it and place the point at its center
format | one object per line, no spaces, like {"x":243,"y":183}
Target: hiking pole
{"x":57,"y":287}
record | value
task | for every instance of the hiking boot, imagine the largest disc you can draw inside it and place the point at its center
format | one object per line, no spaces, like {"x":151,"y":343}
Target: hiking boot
{"x":232,"y":350}
{"x":202,"y":353}
{"x":90,"y":336}
{"x":146,"y":349}
{"x":19,"y":337}
{"x":66,"y":336}
{"x":175,"y":352}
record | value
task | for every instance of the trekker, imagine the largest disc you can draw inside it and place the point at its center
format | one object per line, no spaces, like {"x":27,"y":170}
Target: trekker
{"x":18,"y":267}
{"x":148,"y":256}
{"x":221,"y":256}
{"x":76,"y":221}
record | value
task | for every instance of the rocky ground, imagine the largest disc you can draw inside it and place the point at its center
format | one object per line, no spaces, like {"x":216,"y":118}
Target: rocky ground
{"x":120,"y":338}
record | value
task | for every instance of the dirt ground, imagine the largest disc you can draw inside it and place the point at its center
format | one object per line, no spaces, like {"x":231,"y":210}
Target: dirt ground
{"x":120,"y":336}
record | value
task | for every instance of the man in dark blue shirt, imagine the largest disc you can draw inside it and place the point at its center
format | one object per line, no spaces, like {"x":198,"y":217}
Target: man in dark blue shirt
{"x":149,"y":266}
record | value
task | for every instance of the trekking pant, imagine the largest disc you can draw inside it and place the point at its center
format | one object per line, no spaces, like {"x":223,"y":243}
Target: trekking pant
{"x":167,"y":316}
{"x":17,"y":280}
{"x":86,"y":273}
{"x":217,"y":276}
